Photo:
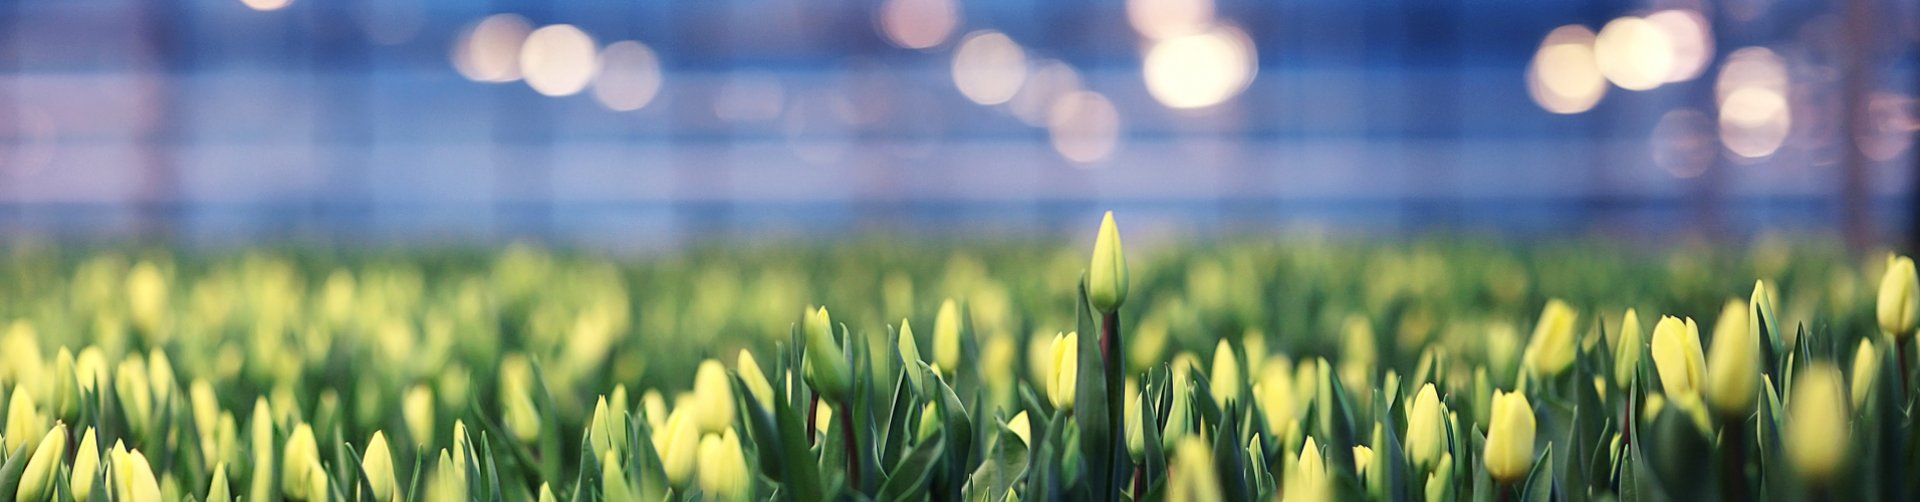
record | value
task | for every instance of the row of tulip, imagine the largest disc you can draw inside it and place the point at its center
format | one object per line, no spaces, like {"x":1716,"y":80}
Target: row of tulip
{"x":1308,"y":372}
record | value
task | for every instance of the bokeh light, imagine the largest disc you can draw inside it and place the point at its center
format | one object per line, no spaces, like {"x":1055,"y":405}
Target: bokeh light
{"x":1563,"y":76}
{"x":489,"y":51}
{"x":1051,"y":78}
{"x":266,"y":5}
{"x":1084,"y":127}
{"x":989,"y":67}
{"x":1683,"y":144}
{"x":558,"y":60}
{"x":1200,"y":70}
{"x":1891,"y":121}
{"x":1755,"y":115}
{"x":1691,"y":39}
{"x":1633,"y":54}
{"x":629,"y":76}
{"x":1161,"y":19}
{"x":918,"y":24}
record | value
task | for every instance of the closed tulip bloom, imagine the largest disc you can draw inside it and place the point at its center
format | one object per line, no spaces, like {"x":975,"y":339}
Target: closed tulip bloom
{"x":261,"y":437}
{"x":1817,"y":424}
{"x":1733,"y":373}
{"x":301,"y":450}
{"x":1426,"y":429}
{"x":1063,"y":380}
{"x":1677,"y":357}
{"x":1362,"y":459}
{"x":929,"y":422}
{"x":1551,"y":349}
{"x":1899,"y":302}
{"x":317,"y":484}
{"x":1509,"y":448}
{"x":417,"y":410}
{"x":723,"y":468}
{"x":756,"y":380}
{"x":1179,"y":421}
{"x":1626,"y":355}
{"x":1107,"y":274}
{"x":1136,"y":435}
{"x":1440,"y":482}
{"x":133,"y":479}
{"x":826,"y":365}
{"x":677,"y":445}
{"x":516,"y":398}
{"x":377,"y":463}
{"x":614,"y":486}
{"x":603,"y":436}
{"x":217,"y":490}
{"x":946,"y":334}
{"x":86,"y":466}
{"x":64,"y":399}
{"x":1225,"y":378}
{"x":1866,"y":368}
{"x":38,"y":481}
{"x":1192,"y":476}
{"x":23,"y":421}
{"x":713,"y":391}
{"x":1275,"y":394}
{"x":1308,"y":478}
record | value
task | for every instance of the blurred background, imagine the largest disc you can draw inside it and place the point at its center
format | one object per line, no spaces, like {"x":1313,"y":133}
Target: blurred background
{"x":646,"y":124}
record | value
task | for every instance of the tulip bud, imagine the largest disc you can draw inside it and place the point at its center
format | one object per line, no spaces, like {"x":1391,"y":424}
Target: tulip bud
{"x":1362,"y":459}
{"x":1193,"y":477}
{"x":723,"y":468}
{"x":317,"y":485}
{"x":1509,"y":448}
{"x":1308,"y":478}
{"x":546,"y":494}
{"x":1426,"y":429}
{"x":756,"y":380}
{"x":946,"y":335}
{"x":1551,"y":349}
{"x":133,"y":479}
{"x":826,"y":367}
{"x":1021,"y":426}
{"x":1676,"y":356}
{"x":417,"y":409}
{"x":607,"y":431}
{"x":929,"y":422}
{"x":23,"y":421}
{"x":516,"y":398}
{"x":1866,"y":366}
{"x":378,"y":465}
{"x":449,"y":481}
{"x":1440,"y":481}
{"x":1760,"y":314}
{"x":1063,"y":379}
{"x":713,"y":393}
{"x":90,"y":367}
{"x":1225,"y":379}
{"x":1626,"y":355}
{"x":64,"y":402}
{"x":1178,"y":419}
{"x":1899,"y":305}
{"x":160,"y":377}
{"x":1816,"y":441}
{"x":1275,"y":393}
{"x":613,"y":480}
{"x":217,"y":490}
{"x":301,"y":450}
{"x":1734,"y":372}
{"x":677,"y":446}
{"x":38,"y":481}
{"x":86,"y":466}
{"x":261,"y":435}
{"x":1107,"y":275}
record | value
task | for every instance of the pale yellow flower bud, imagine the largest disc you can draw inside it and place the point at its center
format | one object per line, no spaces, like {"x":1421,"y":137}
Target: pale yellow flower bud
{"x":1866,"y":368}
{"x":1627,"y":354}
{"x":1509,"y":448}
{"x":1426,"y":429}
{"x":1021,"y":426}
{"x":1552,"y":347}
{"x":301,"y":452}
{"x":417,"y":408}
{"x":1677,"y":357}
{"x":1063,"y":379}
{"x":1899,"y":302}
{"x":723,"y":467}
{"x":1733,"y":374}
{"x":516,"y":398}
{"x":826,"y":365}
{"x":1193,"y":477}
{"x":678,"y":445}
{"x":86,"y":466}
{"x":756,"y":380}
{"x":217,"y":490}
{"x":1107,"y":274}
{"x":713,"y":395}
{"x":1225,"y":379}
{"x":946,"y":334}
{"x":64,"y":400}
{"x":1817,"y":430}
{"x":39,"y":480}
{"x":23,"y":421}
{"x":133,"y":479}
{"x":377,"y":462}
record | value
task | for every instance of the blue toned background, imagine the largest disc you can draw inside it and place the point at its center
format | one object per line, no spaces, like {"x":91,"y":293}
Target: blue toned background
{"x":632,"y":124}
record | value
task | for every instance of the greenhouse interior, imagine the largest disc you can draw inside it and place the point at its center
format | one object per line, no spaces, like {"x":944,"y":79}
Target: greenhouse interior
{"x":943,"y":250}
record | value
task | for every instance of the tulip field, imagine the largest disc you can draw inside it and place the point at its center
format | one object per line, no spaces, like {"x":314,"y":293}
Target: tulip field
{"x":1290,"y":367}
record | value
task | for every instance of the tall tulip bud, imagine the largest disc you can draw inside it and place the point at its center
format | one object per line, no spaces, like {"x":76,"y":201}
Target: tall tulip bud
{"x":1899,"y":305}
{"x":23,"y":421}
{"x":1107,"y":275}
{"x":38,"y":481}
{"x":516,"y":398}
{"x":378,"y":464}
{"x":677,"y":445}
{"x":217,"y":490}
{"x":261,"y":435}
{"x":64,"y":402}
{"x":756,"y":380}
{"x":133,"y":479}
{"x":713,"y":397}
{"x":826,"y":365}
{"x":946,"y":335}
{"x":602,"y":436}
{"x":1817,"y":424}
{"x":86,"y":466}
{"x":1552,"y":347}
{"x":1064,"y":379}
{"x":1440,"y":481}
{"x":1677,"y":357}
{"x":1626,"y":355}
{"x":1193,"y":477}
{"x":1760,"y":314}
{"x":1733,"y":374}
{"x":1866,"y":367}
{"x":1136,"y":436}
{"x":417,"y":409}
{"x":1509,"y":449}
{"x":1225,"y":378}
{"x":301,"y":451}
{"x":1308,"y":478}
{"x":1426,"y":429}
{"x":723,"y":468}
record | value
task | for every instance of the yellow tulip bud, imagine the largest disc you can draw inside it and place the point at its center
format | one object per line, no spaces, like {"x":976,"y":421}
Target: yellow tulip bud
{"x":377,"y":462}
{"x":317,"y":485}
{"x":929,"y":421}
{"x":946,"y":334}
{"x":133,"y":479}
{"x":132,"y":385}
{"x":206,"y":407}
{"x":86,"y":466}
{"x":147,"y":300}
{"x":601,"y":434}
{"x":64,"y":400}
{"x":656,"y":409}
{"x":546,"y":494}
{"x":1107,"y":274}
{"x":1362,"y":459}
{"x":1551,"y":349}
{"x":1359,"y":353}
{"x":417,"y":409}
{"x":217,"y":490}
{"x":723,"y":467}
{"x":449,"y":483}
{"x":756,"y":380}
{"x":90,"y":367}
{"x":713,"y":393}
{"x":301,"y":451}
{"x":826,"y":365}
{"x":1816,"y":441}
{"x":23,"y":421}
{"x":1064,"y":377}
{"x":678,"y":445}
{"x":1440,"y":482}
{"x":1866,"y":367}
{"x":1178,"y":419}
{"x":1626,"y":355}
{"x":1193,"y":477}
{"x":38,"y":481}
{"x":1275,"y":393}
{"x":1308,"y":478}
{"x":997,"y":360}
{"x":1733,"y":373}
{"x":516,"y":398}
{"x":1509,"y":448}
{"x":1225,"y":379}
{"x":261,"y":435}
{"x":1677,"y":357}
{"x":1426,"y":429}
{"x":160,"y":377}
{"x":1136,"y":435}
{"x":614,"y":486}
{"x":1899,"y":305}
{"x":1021,"y":426}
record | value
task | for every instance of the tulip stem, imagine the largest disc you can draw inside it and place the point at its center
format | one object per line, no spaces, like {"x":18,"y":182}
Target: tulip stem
{"x":1110,"y":355}
{"x":813,"y":419}
{"x":1734,"y":465}
{"x":1139,"y":481}
{"x":852,"y":440}
{"x":1904,"y":345}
